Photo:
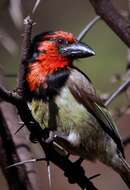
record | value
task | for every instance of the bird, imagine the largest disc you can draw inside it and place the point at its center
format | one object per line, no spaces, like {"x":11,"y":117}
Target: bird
{"x":62,"y":98}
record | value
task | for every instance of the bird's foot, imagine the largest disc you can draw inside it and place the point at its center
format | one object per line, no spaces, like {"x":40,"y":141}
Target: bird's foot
{"x":60,"y":142}
{"x":55,"y":136}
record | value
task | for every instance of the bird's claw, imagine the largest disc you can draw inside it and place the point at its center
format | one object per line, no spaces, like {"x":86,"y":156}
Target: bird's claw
{"x":55,"y":136}
{"x":58,"y":139}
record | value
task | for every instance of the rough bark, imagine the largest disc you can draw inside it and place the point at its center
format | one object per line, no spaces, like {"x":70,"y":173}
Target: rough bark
{"x":113,"y":19}
{"x":14,"y":148}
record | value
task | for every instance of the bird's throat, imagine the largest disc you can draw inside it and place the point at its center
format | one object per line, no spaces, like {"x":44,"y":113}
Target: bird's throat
{"x":40,"y":70}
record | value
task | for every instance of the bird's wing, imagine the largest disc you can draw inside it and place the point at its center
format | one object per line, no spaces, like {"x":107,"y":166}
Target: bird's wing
{"x":82,"y":89}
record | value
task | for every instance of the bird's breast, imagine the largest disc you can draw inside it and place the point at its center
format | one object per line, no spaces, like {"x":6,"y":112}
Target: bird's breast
{"x":68,"y":116}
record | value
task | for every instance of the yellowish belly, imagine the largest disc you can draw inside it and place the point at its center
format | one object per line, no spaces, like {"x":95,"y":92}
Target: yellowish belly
{"x":72,"y":119}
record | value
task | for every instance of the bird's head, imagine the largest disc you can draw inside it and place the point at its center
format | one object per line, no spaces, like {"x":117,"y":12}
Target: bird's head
{"x":52,"y":51}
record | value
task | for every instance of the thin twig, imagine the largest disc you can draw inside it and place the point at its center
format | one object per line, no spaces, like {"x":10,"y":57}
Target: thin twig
{"x":35,"y":6}
{"x":49,"y":174}
{"x":117,"y":92}
{"x":25,"y":53}
{"x":88,"y":28}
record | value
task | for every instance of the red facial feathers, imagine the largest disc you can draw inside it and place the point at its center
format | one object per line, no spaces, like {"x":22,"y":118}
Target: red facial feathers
{"x":49,"y":61}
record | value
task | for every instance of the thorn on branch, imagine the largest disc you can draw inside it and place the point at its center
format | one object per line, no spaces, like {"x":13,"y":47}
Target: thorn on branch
{"x":49,"y":173}
{"x":26,"y":162}
{"x":19,"y":129}
{"x":94,"y":176}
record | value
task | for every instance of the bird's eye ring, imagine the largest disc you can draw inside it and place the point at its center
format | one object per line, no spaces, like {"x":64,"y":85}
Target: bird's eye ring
{"x":62,"y":41}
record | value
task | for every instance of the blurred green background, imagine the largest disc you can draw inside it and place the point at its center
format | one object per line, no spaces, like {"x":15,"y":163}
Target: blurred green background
{"x":110,"y":59}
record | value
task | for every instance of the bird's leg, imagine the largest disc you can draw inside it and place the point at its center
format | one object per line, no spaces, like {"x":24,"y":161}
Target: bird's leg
{"x":56,"y":136}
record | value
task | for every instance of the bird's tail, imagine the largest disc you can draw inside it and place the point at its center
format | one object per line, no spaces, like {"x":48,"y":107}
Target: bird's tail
{"x":124,"y":170}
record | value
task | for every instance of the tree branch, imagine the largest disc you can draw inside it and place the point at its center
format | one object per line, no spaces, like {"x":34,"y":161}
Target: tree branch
{"x":113,"y":19}
{"x":25,"y":54}
{"x":15,"y":177}
{"x":9,"y":96}
{"x":126,"y":140}
{"x":14,"y":148}
{"x":119,"y":90}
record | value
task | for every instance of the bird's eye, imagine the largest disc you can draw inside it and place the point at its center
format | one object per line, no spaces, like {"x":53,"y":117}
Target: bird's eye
{"x":62,"y":41}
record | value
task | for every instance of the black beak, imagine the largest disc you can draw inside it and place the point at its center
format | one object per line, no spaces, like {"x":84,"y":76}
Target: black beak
{"x":77,"y":50}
